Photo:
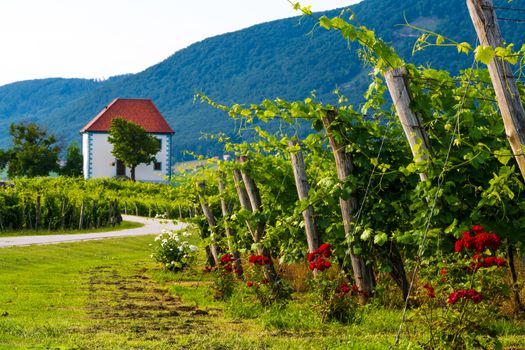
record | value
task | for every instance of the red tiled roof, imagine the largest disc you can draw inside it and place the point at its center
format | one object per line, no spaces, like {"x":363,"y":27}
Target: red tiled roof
{"x":139,"y":111}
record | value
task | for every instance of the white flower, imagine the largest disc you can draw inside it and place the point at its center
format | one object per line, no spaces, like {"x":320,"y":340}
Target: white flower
{"x":158,"y":237}
{"x":193,"y":248}
{"x":186,"y":234}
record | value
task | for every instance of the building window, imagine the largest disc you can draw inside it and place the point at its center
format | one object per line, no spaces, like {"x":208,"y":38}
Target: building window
{"x":157,"y":166}
{"x":160,"y":143}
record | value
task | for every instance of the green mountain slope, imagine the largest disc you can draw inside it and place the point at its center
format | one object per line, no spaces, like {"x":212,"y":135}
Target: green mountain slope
{"x":275,"y":59}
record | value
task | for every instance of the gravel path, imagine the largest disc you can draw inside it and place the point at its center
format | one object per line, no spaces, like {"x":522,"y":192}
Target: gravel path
{"x":151,"y":226}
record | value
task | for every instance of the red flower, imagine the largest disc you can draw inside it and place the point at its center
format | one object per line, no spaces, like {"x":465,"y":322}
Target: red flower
{"x":322,"y":264}
{"x":249,"y":284}
{"x":486,"y":240}
{"x":471,"y":294}
{"x":343,"y":289}
{"x":477,"y":229}
{"x":311,"y":256}
{"x":443,"y":271}
{"x":324,"y":250}
{"x":479,"y":242}
{"x":316,"y":258}
{"x":226,"y":258}
{"x":430,"y":290}
{"x":259,"y":260}
{"x":488,"y":261}
{"x":475,"y":296}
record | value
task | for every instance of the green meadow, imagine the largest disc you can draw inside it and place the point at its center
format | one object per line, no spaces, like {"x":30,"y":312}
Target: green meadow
{"x":109,"y":294}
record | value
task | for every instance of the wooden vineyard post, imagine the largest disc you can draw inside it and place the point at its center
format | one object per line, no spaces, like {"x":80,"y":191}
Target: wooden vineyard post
{"x":230,"y":231}
{"x":301,"y":183}
{"x":396,"y":81}
{"x":81,"y":219}
{"x":241,"y":191}
{"x":507,"y":94}
{"x":252,"y":192}
{"x":363,"y":274}
{"x":38,"y":210}
{"x":63,"y":215}
{"x":211,"y":221}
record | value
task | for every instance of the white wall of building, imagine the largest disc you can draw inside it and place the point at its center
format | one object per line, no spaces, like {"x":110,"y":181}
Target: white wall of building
{"x":99,"y":162}
{"x":85,"y":155}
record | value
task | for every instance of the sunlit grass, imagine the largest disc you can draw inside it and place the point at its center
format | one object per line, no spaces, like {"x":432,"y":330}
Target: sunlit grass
{"x":109,"y":294}
{"x":124,"y":225}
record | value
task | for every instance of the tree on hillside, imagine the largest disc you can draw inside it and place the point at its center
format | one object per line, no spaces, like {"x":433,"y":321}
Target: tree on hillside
{"x":73,"y":166}
{"x":131,"y":144}
{"x":34,"y":152}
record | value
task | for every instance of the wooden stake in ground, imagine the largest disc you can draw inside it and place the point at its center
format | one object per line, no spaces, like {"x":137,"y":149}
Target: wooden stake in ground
{"x":301,"y":183}
{"x":241,"y":191}
{"x":231,"y":234}
{"x":507,"y":94}
{"x":252,"y":192}
{"x":363,"y":273}
{"x":396,"y":81}
{"x":211,"y":221}
{"x":38,"y":211}
{"x":81,"y":217}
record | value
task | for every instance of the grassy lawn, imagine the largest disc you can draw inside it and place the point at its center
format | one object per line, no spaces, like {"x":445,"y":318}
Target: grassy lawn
{"x":124,"y":225}
{"x":109,"y":294}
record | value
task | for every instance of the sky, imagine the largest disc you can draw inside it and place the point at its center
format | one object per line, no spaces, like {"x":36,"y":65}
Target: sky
{"x":102,"y":38}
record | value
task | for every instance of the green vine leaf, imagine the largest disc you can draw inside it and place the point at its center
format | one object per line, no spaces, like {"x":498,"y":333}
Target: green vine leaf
{"x":484,"y":54}
{"x":464,"y":47}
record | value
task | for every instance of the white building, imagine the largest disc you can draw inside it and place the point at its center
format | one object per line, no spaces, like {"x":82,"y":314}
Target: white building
{"x":96,"y":150}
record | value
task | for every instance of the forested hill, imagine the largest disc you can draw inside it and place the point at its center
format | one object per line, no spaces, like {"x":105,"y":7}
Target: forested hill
{"x":275,"y":59}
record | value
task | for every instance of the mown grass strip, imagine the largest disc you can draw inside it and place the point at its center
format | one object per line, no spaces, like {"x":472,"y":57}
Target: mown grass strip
{"x":124,"y":225}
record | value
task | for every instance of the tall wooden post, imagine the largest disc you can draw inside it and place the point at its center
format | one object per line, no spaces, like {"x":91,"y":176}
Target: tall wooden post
{"x":396,"y":81}
{"x":301,"y":183}
{"x":507,"y":94}
{"x":230,"y":231}
{"x":256,"y":204}
{"x":38,"y":211}
{"x":255,"y":200}
{"x":241,"y":191}
{"x":211,"y":221}
{"x":363,"y":274}
{"x":81,"y":218}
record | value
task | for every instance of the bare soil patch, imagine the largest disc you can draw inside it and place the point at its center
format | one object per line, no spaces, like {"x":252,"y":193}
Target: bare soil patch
{"x":137,"y":305}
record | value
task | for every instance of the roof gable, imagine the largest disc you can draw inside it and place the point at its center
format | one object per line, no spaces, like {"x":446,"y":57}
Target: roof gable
{"x":139,"y":111}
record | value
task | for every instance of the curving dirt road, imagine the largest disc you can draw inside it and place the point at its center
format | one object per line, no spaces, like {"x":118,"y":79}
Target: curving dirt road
{"x":151,"y":226}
